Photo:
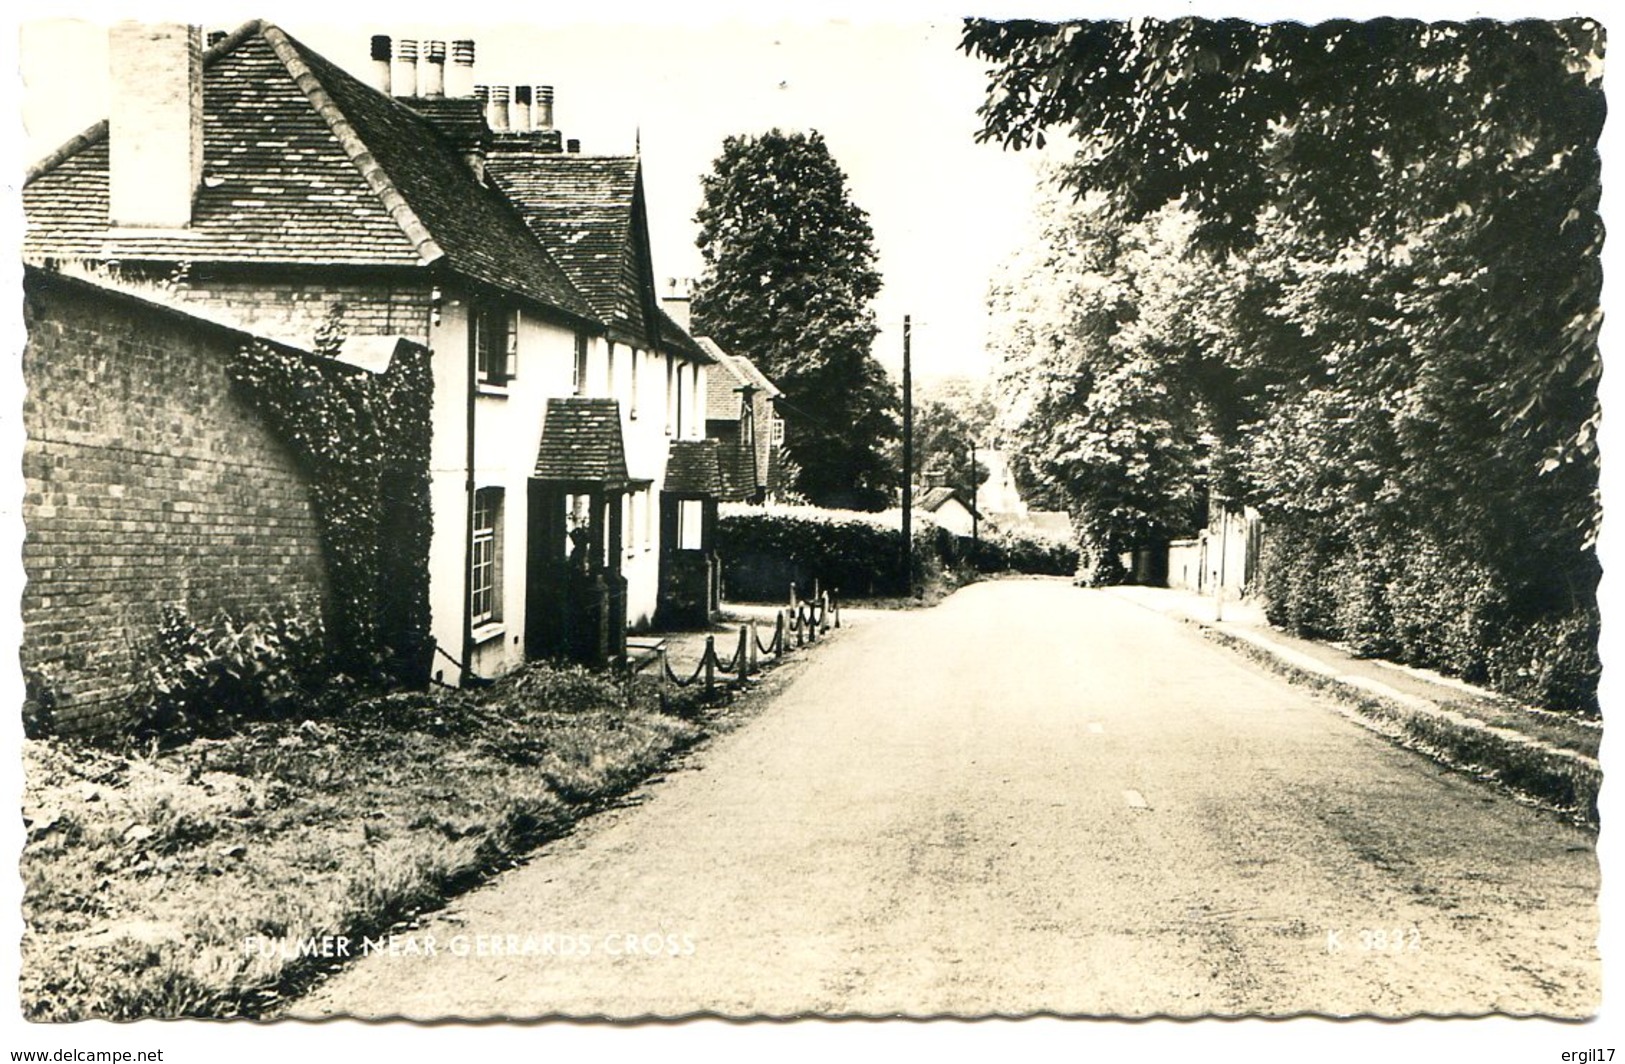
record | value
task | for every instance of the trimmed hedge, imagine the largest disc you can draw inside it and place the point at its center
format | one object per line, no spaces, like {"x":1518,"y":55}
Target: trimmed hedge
{"x":766,"y":549}
{"x":1415,"y":604}
{"x":1016,"y":551}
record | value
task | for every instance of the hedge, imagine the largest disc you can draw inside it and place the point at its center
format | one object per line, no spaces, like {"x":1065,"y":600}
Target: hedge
{"x":1418,"y":604}
{"x":765,"y":550}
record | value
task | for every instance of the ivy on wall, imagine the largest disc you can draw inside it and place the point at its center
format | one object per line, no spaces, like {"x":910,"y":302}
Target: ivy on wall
{"x":363,"y":439}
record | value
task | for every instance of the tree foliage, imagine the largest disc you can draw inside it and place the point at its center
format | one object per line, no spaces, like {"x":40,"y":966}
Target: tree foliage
{"x":788,"y":280}
{"x":1383,"y":312}
{"x":951,"y":418}
{"x":1106,"y":331}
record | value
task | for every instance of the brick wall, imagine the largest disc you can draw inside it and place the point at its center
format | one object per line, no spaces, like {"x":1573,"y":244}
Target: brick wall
{"x":292,"y":309}
{"x":147,"y":483}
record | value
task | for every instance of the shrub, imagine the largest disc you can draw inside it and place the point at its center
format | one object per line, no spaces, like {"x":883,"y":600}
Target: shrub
{"x":198,"y":679}
{"x":767,"y":549}
{"x":1552,"y":662}
{"x":1018,"y":551}
{"x":1420,"y":602}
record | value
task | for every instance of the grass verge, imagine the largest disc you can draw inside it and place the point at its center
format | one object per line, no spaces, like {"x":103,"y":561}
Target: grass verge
{"x":146,"y":875}
{"x":1539,"y":760}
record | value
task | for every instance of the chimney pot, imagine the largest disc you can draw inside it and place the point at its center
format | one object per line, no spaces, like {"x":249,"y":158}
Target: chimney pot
{"x":519,"y":113}
{"x":406,"y":67}
{"x":497,"y":109}
{"x":460,"y":78}
{"x":381,"y":55}
{"x":155,"y":123}
{"x":434,"y":69}
{"x":543,"y":118}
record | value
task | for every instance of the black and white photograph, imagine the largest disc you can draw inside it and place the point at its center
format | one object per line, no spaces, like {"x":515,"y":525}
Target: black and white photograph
{"x":632,"y":529}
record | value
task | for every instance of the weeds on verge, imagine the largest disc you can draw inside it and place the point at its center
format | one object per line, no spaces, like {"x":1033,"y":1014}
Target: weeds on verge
{"x":182,"y":882}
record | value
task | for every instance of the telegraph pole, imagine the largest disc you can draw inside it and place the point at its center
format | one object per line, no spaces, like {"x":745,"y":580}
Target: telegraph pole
{"x":908,"y":460}
{"x":975,"y":510}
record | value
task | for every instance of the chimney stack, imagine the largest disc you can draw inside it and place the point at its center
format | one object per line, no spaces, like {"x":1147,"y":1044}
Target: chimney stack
{"x":406,"y":68}
{"x":543,"y":118}
{"x":381,"y":52}
{"x":434,"y":69}
{"x":460,"y":78}
{"x":496,"y":112}
{"x":519,"y":114}
{"x":679,"y":294}
{"x":216,"y":36}
{"x":155,"y":125}
{"x":573,"y":146}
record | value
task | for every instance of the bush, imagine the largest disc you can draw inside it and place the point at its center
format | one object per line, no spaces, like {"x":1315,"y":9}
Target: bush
{"x":1552,"y":662}
{"x":765,"y":550}
{"x":1018,"y":551}
{"x":198,"y":679}
{"x":1419,"y":603}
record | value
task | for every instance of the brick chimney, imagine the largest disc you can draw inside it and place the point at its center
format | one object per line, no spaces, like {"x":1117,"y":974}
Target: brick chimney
{"x":155,"y":124}
{"x":406,"y":68}
{"x":460,"y":78}
{"x":381,"y":54}
{"x":433,"y":70}
{"x":676,"y":300}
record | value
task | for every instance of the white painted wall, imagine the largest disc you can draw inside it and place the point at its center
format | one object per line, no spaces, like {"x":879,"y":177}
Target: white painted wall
{"x":448,"y":500}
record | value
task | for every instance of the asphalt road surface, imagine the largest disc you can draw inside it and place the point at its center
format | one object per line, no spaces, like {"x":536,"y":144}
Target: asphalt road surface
{"x":1032,"y":798}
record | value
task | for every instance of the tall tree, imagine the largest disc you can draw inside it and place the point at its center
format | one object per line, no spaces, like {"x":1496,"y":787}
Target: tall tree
{"x":788,"y":280}
{"x":952,"y":417}
{"x":1104,"y":330}
{"x":1404,"y":222}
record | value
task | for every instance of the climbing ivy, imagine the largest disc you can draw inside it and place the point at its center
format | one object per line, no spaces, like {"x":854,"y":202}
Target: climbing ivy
{"x":363,"y":440}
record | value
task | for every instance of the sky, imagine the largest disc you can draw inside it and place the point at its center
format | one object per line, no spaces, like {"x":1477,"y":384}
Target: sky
{"x":894,"y":99}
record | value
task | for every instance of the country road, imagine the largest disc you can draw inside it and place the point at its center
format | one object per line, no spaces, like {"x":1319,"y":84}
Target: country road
{"x":1030,"y":798}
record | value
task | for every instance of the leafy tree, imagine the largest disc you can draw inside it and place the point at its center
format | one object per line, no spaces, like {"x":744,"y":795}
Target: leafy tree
{"x":1401,"y":302}
{"x":951,"y":417}
{"x":1104,"y":333}
{"x":789,"y":277}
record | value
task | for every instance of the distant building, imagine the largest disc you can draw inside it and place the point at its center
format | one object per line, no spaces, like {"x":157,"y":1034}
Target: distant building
{"x":947,"y":507}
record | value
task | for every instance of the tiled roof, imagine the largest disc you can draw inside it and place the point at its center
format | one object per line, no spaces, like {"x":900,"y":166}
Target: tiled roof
{"x":581,"y":443}
{"x":587,"y":211}
{"x":735,"y":372}
{"x":581,"y":207}
{"x":934,"y":499}
{"x":692,"y":468}
{"x":303,"y":164}
{"x":738,"y":466}
{"x":460,"y":120}
{"x":675,"y":338}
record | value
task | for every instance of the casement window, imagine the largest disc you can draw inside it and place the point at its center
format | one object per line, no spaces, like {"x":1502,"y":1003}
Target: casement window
{"x":485,"y":600}
{"x":778,"y":431}
{"x":578,"y":378}
{"x":496,"y":344}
